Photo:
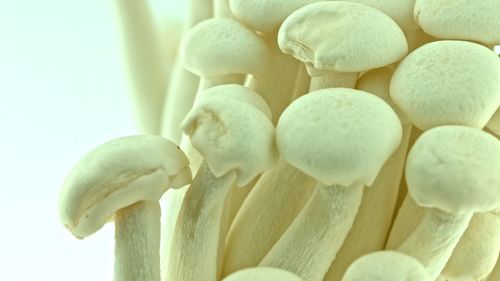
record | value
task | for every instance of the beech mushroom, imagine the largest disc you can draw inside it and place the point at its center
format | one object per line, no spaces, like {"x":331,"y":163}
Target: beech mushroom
{"x":456,"y":180}
{"x":331,"y":40}
{"x":460,"y":19}
{"x":236,"y":138}
{"x":262,"y":274}
{"x":341,"y":137}
{"x":124,"y":179}
{"x":386,"y":266}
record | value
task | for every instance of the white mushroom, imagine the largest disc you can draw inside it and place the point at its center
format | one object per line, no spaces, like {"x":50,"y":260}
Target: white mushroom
{"x":124,"y":179}
{"x":454,"y":171}
{"x":386,"y":266}
{"x":236,"y":138}
{"x":262,"y":274}
{"x":331,"y":40}
{"x":342,"y":138}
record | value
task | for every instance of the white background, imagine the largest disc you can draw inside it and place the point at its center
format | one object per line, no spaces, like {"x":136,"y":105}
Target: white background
{"x":62,"y":92}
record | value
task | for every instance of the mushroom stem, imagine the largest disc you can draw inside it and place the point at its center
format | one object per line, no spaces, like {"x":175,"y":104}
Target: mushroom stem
{"x":206,"y":83}
{"x":333,"y":79}
{"x":434,"y":239}
{"x":268,"y":211}
{"x":144,"y":65}
{"x":137,"y":231}
{"x":312,"y":241}
{"x":197,"y":239}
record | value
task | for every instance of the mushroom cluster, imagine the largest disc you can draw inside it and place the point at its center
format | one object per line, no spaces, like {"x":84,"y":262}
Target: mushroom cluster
{"x":275,"y":117}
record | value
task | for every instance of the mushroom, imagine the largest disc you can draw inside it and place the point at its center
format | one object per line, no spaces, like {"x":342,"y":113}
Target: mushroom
{"x":124,"y":179}
{"x":341,"y":137}
{"x":454,"y":181}
{"x":460,"y":19}
{"x":476,"y":253}
{"x":231,"y":128}
{"x":146,"y":74}
{"x":262,"y":274}
{"x":386,"y":266}
{"x":495,"y":275}
{"x":374,"y":218}
{"x":331,"y":40}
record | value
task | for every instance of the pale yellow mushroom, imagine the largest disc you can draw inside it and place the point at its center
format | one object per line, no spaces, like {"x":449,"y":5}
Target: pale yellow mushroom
{"x":231,"y":128}
{"x":330,"y":39}
{"x":341,"y":137}
{"x":262,"y":274}
{"x":386,"y":266}
{"x":123,"y":180}
{"x":453,"y":171}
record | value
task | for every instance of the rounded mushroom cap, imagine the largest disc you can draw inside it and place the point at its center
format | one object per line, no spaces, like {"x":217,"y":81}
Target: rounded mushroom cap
{"x":401,"y":11}
{"x":460,"y":19}
{"x":494,"y":123}
{"x":332,"y":35}
{"x":338,"y":136}
{"x":262,"y":274}
{"x":448,"y":83}
{"x":117,"y":174}
{"x":386,"y":266}
{"x":265,"y":15}
{"x":455,"y":169}
{"x":232,"y":134}
{"x":220,"y":46}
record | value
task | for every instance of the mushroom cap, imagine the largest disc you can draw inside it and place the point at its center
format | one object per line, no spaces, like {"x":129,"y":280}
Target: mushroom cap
{"x":117,"y":174}
{"x":338,"y":136}
{"x":460,"y":19}
{"x":401,"y":11}
{"x":232,"y":134}
{"x":386,"y":266}
{"x":455,"y":169}
{"x":448,"y":82}
{"x":220,"y":46}
{"x":332,"y":35}
{"x":237,"y":92}
{"x":262,"y":274}
{"x":494,"y":123}
{"x":265,"y":15}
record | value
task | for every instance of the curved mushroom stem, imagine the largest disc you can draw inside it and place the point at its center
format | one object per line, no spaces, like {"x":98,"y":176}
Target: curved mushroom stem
{"x":434,"y":239}
{"x":144,"y":63}
{"x":137,"y":232}
{"x":333,"y":79}
{"x":268,"y":211}
{"x":312,"y":241}
{"x":200,"y":230}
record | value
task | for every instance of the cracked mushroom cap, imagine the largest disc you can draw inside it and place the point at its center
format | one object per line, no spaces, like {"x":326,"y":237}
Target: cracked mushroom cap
{"x":232,"y":134}
{"x":262,"y":274}
{"x":448,"y":83}
{"x":386,"y":266}
{"x":219,"y":47}
{"x":333,"y":35}
{"x":338,"y":136}
{"x":117,"y":174}
{"x":455,"y":169}
{"x":460,"y":19}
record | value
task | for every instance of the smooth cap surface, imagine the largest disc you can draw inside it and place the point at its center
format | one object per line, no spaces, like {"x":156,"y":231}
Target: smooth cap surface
{"x":220,"y":46}
{"x":333,"y":35}
{"x":448,"y":83}
{"x":338,"y":136}
{"x":455,"y":169}
{"x":232,"y":134}
{"x":262,"y":274}
{"x":386,"y":266}
{"x":460,"y":19}
{"x":117,"y":174}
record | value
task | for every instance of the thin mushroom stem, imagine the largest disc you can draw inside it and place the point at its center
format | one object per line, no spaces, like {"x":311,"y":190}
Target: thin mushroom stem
{"x":333,"y":79}
{"x":197,"y":238}
{"x":328,"y":215}
{"x":137,"y":231}
{"x":434,"y":239}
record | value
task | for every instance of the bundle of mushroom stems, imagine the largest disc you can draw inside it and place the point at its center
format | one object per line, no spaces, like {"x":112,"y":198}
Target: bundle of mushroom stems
{"x":304,"y":140}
